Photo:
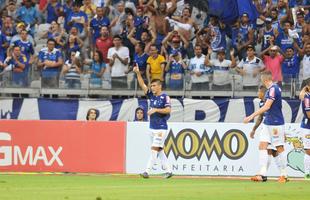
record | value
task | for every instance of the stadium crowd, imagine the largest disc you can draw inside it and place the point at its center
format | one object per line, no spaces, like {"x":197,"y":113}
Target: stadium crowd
{"x":63,"y":43}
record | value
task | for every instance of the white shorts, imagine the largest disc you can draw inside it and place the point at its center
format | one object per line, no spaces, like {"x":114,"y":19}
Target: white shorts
{"x":274,"y":135}
{"x":158,"y":137}
{"x":306,"y":137}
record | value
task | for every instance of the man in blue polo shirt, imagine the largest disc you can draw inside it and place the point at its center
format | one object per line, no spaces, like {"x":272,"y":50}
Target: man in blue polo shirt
{"x":50,"y":61}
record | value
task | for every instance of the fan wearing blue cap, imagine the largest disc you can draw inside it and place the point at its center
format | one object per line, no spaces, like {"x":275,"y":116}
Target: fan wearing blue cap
{"x":176,"y":68}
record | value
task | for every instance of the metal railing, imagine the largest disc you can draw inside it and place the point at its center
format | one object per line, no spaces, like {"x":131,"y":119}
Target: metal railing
{"x":34,"y":88}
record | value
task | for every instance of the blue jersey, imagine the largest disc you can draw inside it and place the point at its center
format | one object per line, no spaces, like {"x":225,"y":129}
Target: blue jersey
{"x":28,"y":15}
{"x":157,"y":120}
{"x":294,"y":3}
{"x":244,"y":32}
{"x":74,"y":48}
{"x":305,"y":123}
{"x":181,"y":49}
{"x":20,"y":78}
{"x":141,"y":61}
{"x":77,"y":16}
{"x":54,"y":55}
{"x":266,"y":38}
{"x":138,"y":23}
{"x":67,"y":11}
{"x":3,"y":40}
{"x":274,"y":115}
{"x":290,"y":66}
{"x":51,"y":12}
{"x":261,"y":104}
{"x":284,"y":41}
{"x":176,"y":68}
{"x":96,"y":24}
{"x":25,"y":47}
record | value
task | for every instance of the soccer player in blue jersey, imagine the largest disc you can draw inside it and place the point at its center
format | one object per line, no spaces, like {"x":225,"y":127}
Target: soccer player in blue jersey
{"x":272,"y":151}
{"x":159,"y":113}
{"x":305,"y":125}
{"x":273,"y":128}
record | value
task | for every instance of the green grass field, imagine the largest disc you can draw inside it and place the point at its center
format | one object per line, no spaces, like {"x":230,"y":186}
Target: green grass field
{"x":113,"y":187}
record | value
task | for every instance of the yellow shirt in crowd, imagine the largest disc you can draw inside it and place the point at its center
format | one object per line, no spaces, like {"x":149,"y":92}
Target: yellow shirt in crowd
{"x":155,"y":66}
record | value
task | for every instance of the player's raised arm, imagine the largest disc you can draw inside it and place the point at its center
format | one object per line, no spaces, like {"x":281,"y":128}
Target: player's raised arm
{"x":140,"y":79}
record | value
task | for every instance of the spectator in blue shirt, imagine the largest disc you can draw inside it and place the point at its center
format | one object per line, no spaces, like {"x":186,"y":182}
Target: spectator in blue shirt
{"x":67,"y":10}
{"x":28,"y":14}
{"x":140,"y":58}
{"x":18,"y":62}
{"x":97,"y":22}
{"x":176,"y":68}
{"x":78,"y":19}
{"x":25,"y":45}
{"x":97,"y":69}
{"x":74,"y":44}
{"x":3,"y":46}
{"x":53,"y":10}
{"x":290,"y":65}
{"x":284,"y":40}
{"x":50,"y":61}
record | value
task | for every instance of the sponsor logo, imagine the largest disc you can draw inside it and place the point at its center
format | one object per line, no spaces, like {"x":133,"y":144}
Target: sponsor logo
{"x":31,"y":156}
{"x":233,"y":144}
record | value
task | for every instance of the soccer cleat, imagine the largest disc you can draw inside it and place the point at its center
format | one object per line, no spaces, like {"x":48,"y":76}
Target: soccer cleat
{"x":307,"y":177}
{"x":259,"y":178}
{"x":282,"y":179}
{"x":144,"y":175}
{"x":168,"y":175}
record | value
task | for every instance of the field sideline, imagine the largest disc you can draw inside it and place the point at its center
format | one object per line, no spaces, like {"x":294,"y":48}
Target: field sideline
{"x":129,"y":187}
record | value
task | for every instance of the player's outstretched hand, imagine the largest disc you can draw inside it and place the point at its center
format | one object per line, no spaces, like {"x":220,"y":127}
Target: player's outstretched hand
{"x":252,"y":134}
{"x":247,"y":119}
{"x":151,"y":111}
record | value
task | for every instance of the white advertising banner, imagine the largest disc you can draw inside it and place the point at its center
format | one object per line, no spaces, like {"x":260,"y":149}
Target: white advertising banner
{"x":210,"y":149}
